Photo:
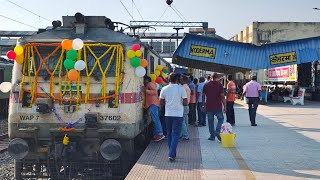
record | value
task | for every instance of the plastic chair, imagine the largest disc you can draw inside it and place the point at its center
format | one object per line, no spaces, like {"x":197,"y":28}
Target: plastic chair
{"x":300,"y":98}
{"x":288,"y":98}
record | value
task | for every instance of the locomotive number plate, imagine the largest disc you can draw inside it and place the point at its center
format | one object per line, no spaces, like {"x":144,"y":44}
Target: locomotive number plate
{"x":110,"y":118}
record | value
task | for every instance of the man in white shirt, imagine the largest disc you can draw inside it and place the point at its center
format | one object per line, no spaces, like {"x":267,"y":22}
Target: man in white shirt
{"x":174,"y":97}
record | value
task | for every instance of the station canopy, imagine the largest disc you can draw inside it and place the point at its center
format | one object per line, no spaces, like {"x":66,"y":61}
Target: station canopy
{"x":225,"y":56}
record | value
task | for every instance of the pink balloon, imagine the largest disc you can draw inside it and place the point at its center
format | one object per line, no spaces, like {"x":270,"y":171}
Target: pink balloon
{"x":159,"y":80}
{"x":135,"y":47}
{"x":11,"y":55}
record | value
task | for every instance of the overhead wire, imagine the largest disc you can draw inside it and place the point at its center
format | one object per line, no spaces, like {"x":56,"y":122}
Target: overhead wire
{"x":28,"y":10}
{"x":163,"y":14}
{"x":126,"y":9}
{"x":179,"y":12}
{"x":132,"y":7}
{"x":17,"y":21}
{"x":137,"y":9}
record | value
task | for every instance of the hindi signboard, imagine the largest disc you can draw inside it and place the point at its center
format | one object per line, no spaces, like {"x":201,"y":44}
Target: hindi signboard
{"x":284,"y":73}
{"x":283,"y":58}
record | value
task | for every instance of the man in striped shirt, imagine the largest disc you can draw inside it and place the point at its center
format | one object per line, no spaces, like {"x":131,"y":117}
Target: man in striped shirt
{"x":253,"y":93}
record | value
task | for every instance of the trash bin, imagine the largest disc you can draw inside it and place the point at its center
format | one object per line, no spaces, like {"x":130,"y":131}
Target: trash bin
{"x":227,"y":140}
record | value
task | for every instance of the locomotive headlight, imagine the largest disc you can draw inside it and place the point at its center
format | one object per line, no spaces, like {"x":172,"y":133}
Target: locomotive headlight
{"x":18,"y":148}
{"x":44,"y":105}
{"x":110,"y":149}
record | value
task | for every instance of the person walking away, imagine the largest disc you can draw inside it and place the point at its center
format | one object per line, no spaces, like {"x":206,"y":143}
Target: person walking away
{"x":195,"y":82}
{"x":243,"y":88}
{"x":253,"y":93}
{"x":193,"y":101}
{"x":174,"y":98}
{"x":201,"y":112}
{"x":213,"y":99}
{"x":153,"y":104}
{"x":231,"y":97}
{"x":185,"y":124}
{"x":207,"y":80}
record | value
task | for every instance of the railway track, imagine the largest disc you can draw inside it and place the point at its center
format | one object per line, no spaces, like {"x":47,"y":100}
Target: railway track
{"x":4,"y":141}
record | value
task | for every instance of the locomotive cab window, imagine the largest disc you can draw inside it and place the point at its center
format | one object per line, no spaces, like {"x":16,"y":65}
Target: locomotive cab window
{"x":52,"y":62}
{"x":104,"y":61}
{"x":31,"y":65}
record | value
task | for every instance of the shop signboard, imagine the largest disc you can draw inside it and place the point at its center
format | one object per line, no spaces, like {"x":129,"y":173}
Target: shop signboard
{"x":284,"y":73}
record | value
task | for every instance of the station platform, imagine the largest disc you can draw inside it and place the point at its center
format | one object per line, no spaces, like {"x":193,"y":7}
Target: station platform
{"x":284,"y":145}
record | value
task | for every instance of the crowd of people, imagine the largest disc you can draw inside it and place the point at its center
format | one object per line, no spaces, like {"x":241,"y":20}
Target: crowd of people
{"x":187,"y":101}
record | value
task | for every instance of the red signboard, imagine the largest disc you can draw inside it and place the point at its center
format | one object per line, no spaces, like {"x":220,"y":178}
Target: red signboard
{"x":285,"y":73}
{"x":279,"y":72}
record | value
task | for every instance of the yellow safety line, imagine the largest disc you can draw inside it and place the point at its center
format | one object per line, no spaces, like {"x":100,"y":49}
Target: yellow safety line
{"x":242,"y":164}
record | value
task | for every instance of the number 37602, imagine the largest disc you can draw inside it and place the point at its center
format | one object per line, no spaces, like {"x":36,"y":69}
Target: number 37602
{"x":110,"y":118}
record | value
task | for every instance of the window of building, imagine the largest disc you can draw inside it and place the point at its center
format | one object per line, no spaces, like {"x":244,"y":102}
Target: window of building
{"x":168,"y":47}
{"x":157,"y":46}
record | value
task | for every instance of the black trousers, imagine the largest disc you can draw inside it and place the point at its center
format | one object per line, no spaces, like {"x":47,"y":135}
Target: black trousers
{"x":253,"y":106}
{"x":230,"y":113}
{"x":162,"y":120}
{"x":192,"y":113}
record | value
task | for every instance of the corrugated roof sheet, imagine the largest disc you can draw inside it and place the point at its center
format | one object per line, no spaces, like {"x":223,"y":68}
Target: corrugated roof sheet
{"x":243,"y":55}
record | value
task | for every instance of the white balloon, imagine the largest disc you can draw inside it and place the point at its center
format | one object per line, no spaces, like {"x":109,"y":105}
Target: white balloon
{"x":77,"y":44}
{"x":80,"y":65}
{"x":5,"y":87}
{"x":140,"y":71}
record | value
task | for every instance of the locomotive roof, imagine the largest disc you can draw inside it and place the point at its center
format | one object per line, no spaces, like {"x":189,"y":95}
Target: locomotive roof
{"x":92,"y":34}
{"x":6,"y":62}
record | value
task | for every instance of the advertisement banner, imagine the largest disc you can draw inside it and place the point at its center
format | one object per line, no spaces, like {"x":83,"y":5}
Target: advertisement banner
{"x":284,"y":73}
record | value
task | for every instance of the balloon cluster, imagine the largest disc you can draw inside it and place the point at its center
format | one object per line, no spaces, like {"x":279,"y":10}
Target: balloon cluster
{"x":71,"y":63}
{"x":16,"y":54}
{"x":160,"y":74}
{"x":135,"y":57}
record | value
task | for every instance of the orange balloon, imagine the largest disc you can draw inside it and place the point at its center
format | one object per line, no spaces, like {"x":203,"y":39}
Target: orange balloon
{"x":66,"y":44}
{"x":144,"y":63}
{"x":73,"y":75}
